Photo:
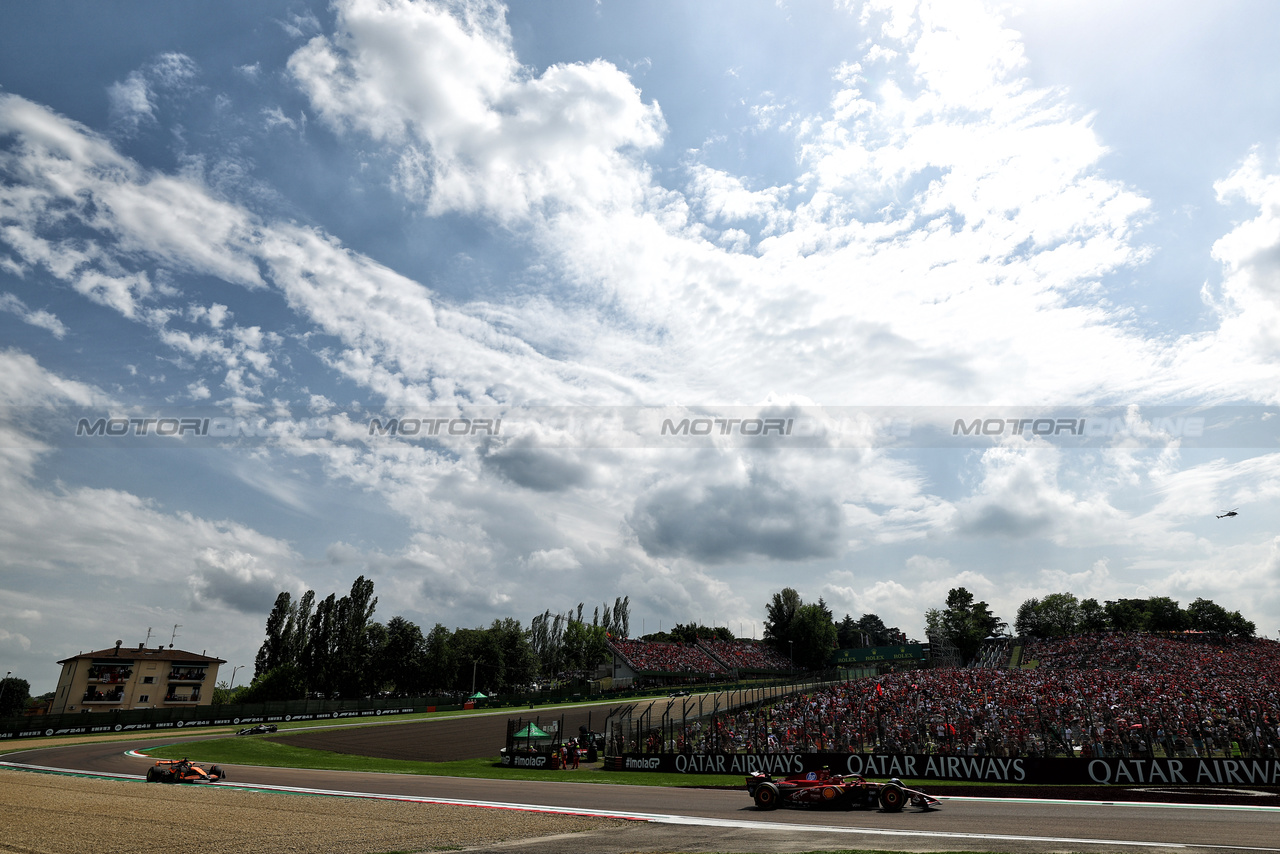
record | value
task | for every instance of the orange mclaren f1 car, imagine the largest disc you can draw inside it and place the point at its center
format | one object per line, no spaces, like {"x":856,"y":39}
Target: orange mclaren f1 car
{"x":183,"y":771}
{"x":834,"y":791}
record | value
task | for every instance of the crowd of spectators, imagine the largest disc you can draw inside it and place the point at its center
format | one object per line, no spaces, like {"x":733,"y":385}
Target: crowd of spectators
{"x":746,"y":655}
{"x":1089,"y":696}
{"x":676,"y":658}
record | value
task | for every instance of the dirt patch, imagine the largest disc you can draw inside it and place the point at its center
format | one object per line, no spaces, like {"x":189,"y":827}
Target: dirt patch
{"x":54,"y":814}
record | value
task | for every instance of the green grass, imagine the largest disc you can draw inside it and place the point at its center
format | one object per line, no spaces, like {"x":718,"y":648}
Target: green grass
{"x":272,"y":753}
{"x":275,"y":754}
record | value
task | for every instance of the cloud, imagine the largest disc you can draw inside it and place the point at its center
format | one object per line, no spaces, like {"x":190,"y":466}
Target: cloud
{"x":1020,"y":497}
{"x":132,"y":101}
{"x":233,"y":579}
{"x":472,"y":131}
{"x":38,"y":318}
{"x":539,"y":469}
{"x":715,"y":523}
{"x":1250,"y":255}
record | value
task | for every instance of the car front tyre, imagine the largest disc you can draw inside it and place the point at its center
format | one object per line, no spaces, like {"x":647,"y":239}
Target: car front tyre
{"x":892,"y":799}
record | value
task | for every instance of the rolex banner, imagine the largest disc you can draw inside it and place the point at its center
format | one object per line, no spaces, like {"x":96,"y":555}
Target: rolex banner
{"x":978,"y":769}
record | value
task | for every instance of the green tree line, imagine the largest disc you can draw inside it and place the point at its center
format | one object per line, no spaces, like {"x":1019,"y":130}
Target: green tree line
{"x":334,"y":647}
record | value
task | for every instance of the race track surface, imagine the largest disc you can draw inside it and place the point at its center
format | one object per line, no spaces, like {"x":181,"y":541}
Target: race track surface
{"x":725,"y":820}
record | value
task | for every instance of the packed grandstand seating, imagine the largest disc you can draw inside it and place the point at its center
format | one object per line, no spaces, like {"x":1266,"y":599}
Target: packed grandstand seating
{"x":746,"y":655}
{"x":1126,"y":695}
{"x":676,"y":658}
{"x":707,"y":656}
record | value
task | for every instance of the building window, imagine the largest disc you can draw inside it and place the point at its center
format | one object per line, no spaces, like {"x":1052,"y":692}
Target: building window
{"x":144,"y":698}
{"x":148,"y":680}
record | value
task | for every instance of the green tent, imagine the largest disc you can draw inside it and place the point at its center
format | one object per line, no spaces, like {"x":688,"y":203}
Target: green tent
{"x":479,"y":695}
{"x":532,"y":731}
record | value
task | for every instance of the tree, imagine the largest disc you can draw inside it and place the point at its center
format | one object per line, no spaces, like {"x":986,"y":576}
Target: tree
{"x":965,"y":623}
{"x":1238,"y":626}
{"x":1093,"y":618}
{"x":14,"y":693}
{"x":875,"y":632}
{"x":351,"y":659}
{"x":814,"y":635}
{"x":225,"y":695}
{"x":1057,"y":615}
{"x":620,"y":624}
{"x":286,"y":682}
{"x":440,"y":662}
{"x":1027,"y":623}
{"x":579,"y":645}
{"x":848,"y":635}
{"x":1126,"y":615}
{"x":1204,"y":615}
{"x":298,"y":637}
{"x":519,"y":666}
{"x":779,"y":615}
{"x":402,"y":663}
{"x":1165,"y":615}
{"x":276,"y":648}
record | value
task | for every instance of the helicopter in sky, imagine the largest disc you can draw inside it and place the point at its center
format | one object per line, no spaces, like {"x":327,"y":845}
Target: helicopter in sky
{"x":1230,"y":513}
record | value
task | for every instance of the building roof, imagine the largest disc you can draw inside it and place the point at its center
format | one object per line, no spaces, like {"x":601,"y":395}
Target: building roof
{"x":146,"y":654}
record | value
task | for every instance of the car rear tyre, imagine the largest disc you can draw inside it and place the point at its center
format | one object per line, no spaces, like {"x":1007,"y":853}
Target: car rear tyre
{"x":766,"y":796}
{"x":892,"y":799}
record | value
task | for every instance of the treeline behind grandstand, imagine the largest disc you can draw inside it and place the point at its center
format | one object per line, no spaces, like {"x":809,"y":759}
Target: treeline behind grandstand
{"x":333,"y":647}
{"x":1061,"y":614}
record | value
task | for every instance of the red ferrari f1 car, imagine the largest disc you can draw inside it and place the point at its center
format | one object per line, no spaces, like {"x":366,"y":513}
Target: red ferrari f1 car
{"x":835,"y":791}
{"x":183,"y":771}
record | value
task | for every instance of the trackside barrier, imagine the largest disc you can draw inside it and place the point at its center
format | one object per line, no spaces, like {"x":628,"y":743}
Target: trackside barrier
{"x":44,"y":726}
{"x":1186,"y":771}
{"x":131,"y":720}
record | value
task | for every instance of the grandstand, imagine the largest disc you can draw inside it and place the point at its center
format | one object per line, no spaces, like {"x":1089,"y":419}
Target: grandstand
{"x":1104,"y":695}
{"x":663,"y":663}
{"x":747,"y":657}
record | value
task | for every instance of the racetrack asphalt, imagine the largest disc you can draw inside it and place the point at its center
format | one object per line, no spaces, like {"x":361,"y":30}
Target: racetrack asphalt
{"x":698,"y":820}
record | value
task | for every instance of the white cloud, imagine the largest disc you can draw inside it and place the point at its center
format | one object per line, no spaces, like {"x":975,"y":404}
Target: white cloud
{"x":552,"y":560}
{"x":473,"y":131}
{"x":1250,"y":255}
{"x":38,"y":318}
{"x":132,"y":101}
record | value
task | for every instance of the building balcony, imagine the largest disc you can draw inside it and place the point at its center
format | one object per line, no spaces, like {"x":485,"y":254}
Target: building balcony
{"x":99,"y":697}
{"x":187,"y":676}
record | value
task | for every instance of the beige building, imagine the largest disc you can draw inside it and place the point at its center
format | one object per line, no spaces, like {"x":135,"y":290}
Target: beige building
{"x":139,"y":678}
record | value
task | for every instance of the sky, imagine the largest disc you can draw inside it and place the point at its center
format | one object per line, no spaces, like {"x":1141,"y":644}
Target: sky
{"x":513,"y":307}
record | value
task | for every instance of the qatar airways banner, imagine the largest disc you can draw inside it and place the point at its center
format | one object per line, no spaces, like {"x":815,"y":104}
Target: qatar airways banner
{"x":978,"y":769}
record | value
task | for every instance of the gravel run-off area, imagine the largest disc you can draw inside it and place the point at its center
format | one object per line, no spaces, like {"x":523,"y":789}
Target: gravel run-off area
{"x":56,"y":814}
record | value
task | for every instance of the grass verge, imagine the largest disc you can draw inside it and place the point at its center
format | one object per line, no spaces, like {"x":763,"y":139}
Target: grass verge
{"x":272,"y":753}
